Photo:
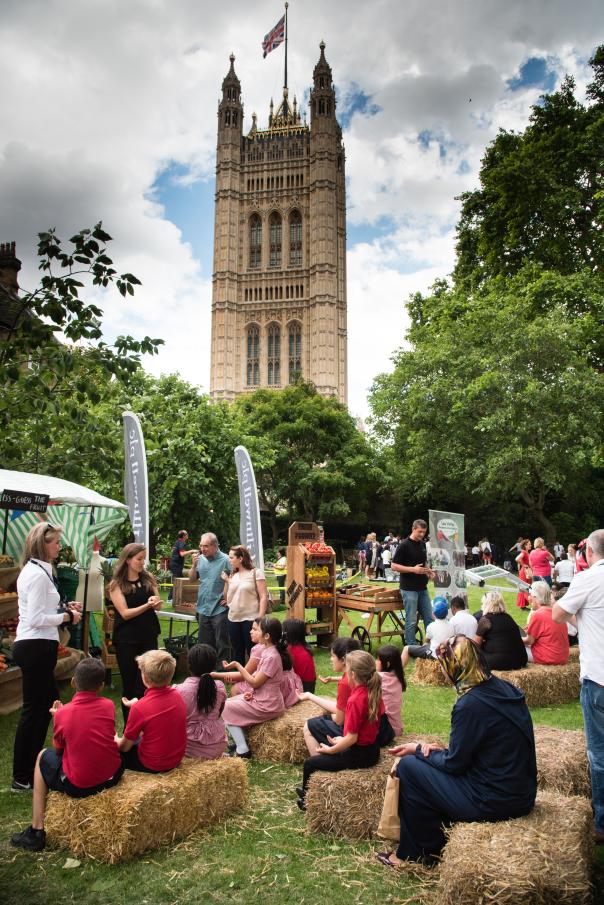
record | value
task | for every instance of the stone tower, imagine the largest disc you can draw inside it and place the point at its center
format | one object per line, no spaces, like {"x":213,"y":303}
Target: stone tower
{"x":279,"y":281}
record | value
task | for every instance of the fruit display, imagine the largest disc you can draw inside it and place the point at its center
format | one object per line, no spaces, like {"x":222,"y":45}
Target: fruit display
{"x":318,"y":548}
{"x":6,"y":560}
{"x":4,"y":593}
{"x":3,"y":663}
{"x":63,"y":652}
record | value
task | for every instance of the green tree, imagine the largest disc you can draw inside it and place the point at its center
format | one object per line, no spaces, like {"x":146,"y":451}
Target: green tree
{"x":498,"y":397}
{"x":541,"y":194}
{"x":53,"y":358}
{"x":310,"y":460}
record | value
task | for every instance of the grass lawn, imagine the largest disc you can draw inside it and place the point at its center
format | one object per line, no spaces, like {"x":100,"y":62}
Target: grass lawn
{"x":263,"y":854}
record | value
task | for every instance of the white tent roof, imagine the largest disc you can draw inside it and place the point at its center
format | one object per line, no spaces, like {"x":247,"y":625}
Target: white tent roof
{"x":57,"y":489}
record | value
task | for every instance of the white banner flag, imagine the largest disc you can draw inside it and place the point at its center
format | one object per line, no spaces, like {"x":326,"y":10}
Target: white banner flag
{"x":136,"y":486}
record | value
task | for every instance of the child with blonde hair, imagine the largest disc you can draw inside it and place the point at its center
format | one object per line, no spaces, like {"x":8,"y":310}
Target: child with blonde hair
{"x":155,"y":736}
{"x":358,"y":745}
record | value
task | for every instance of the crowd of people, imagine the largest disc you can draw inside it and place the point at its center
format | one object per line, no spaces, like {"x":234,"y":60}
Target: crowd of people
{"x":487,"y":772}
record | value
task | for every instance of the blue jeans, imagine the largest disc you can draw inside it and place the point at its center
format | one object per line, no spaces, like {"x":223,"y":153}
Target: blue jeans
{"x":416,"y":602}
{"x":592,"y":703}
{"x":546,"y":578}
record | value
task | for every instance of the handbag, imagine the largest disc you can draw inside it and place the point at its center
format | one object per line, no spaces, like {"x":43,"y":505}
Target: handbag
{"x":269,"y":600}
{"x":389,"y":826}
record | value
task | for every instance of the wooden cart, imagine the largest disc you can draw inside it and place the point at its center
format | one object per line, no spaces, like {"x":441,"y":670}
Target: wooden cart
{"x":382,"y":605}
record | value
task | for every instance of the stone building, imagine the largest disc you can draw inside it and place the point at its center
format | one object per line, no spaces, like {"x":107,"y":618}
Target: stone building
{"x":279,"y":281}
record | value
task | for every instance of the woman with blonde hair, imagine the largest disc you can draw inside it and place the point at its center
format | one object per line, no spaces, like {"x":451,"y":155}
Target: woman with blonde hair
{"x":546,"y":641}
{"x":499,"y":636}
{"x":541,"y":562}
{"x":358,"y":746}
{"x":134,"y":594}
{"x":36,"y":645}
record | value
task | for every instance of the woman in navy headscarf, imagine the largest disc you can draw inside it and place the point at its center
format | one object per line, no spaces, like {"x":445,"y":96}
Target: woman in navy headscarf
{"x":488,"y":772}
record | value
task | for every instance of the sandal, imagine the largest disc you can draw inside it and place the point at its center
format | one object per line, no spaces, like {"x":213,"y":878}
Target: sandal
{"x":384,"y":858}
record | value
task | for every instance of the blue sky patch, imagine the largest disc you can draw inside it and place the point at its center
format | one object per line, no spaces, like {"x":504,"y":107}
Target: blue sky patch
{"x":535,"y":73}
{"x":191,"y":208}
{"x":354,"y":101}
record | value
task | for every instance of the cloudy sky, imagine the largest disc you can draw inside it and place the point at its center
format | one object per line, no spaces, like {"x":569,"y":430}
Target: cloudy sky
{"x":109,"y":112}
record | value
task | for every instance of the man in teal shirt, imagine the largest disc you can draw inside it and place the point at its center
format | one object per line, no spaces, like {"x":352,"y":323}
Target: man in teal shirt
{"x":212,"y":614}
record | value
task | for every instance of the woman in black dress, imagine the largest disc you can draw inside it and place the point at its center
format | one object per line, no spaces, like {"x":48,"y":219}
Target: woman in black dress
{"x":134,"y":594}
{"x":499,"y":636}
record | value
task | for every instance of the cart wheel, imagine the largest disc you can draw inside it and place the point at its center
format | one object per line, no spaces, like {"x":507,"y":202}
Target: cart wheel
{"x":361,"y":635}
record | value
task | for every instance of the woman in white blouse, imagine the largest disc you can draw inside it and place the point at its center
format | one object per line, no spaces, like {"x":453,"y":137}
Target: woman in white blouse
{"x":247,"y":599}
{"x":35,"y":647}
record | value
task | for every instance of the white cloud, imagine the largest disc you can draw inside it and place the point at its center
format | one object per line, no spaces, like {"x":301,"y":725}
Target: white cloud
{"x":100,"y":95}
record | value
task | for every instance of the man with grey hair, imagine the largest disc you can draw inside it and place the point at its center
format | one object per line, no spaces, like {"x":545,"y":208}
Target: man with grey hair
{"x":209,"y":567}
{"x":583,"y":605}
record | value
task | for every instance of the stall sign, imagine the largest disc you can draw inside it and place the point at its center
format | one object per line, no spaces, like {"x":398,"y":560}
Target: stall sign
{"x":24,"y":502}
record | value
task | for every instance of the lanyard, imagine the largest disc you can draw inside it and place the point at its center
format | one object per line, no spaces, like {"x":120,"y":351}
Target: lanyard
{"x":51,"y":578}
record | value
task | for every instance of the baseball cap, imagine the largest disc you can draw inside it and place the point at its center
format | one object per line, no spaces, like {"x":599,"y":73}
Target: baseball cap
{"x":440,"y":607}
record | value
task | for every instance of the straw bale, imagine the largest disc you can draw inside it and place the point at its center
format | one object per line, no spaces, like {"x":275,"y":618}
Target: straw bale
{"x":562,"y":763}
{"x":281,"y":741}
{"x":348,"y":804}
{"x":147,"y":810}
{"x":545,"y":685}
{"x":574,"y":652}
{"x":428,"y":672}
{"x":542,"y":858}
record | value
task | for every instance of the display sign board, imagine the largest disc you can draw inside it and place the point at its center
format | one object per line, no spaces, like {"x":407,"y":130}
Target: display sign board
{"x":447,"y":554}
{"x":136,"y":487}
{"x":250,"y":532}
{"x":303,"y":532}
{"x":23,"y":502}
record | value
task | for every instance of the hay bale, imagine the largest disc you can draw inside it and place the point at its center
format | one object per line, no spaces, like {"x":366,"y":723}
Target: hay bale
{"x":428,"y":672}
{"x":349,"y":804}
{"x":281,"y":741}
{"x":147,"y":810}
{"x":574,"y":652}
{"x":545,"y":685}
{"x":562,"y":763}
{"x":534,"y":860}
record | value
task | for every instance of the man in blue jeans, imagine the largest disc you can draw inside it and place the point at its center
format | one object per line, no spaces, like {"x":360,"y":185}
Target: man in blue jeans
{"x":411,"y":561}
{"x":583,"y":605}
{"x":212,"y":612}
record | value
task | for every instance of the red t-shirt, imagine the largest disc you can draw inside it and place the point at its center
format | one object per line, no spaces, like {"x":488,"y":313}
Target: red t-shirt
{"x":540,"y":562}
{"x":161,"y":716}
{"x":356,"y":719}
{"x":303,"y":662}
{"x":343,"y":693}
{"x":85,"y":730}
{"x":551,"y":644}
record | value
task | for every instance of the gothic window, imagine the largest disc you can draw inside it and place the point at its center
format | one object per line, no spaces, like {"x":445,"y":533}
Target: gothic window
{"x":255,"y":241}
{"x":235,"y":117}
{"x":295,"y":351}
{"x":253,"y":356}
{"x":295,"y":238}
{"x":275,"y":240}
{"x":274,"y":355}
{"x":321,"y":105}
{"x":227,"y":118}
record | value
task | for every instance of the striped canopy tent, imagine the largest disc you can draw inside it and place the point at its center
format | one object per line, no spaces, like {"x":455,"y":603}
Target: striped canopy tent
{"x":82,"y":514}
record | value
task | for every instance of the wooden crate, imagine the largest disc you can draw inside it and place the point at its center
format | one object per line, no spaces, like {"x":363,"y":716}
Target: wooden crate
{"x":9,"y":606}
{"x":186,"y":609}
{"x":8,"y":577}
{"x":185,"y":591}
{"x":11,"y":690}
{"x":110,"y":660}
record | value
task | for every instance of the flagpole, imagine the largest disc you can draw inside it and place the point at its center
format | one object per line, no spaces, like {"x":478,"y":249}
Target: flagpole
{"x":286,"y":5}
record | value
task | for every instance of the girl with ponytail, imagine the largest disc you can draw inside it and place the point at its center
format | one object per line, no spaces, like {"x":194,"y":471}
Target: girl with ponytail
{"x":358,"y":746}
{"x":204,"y":699}
{"x":264,"y":700}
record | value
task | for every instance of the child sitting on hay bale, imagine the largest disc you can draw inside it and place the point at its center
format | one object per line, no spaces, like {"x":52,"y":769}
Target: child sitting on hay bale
{"x":358,"y":747}
{"x":437,"y":632}
{"x":265,"y":699}
{"x":155,"y":736}
{"x":204,"y":702}
{"x":319,"y":728}
{"x":300,"y":653}
{"x":84,"y":759}
{"x":390,"y":667}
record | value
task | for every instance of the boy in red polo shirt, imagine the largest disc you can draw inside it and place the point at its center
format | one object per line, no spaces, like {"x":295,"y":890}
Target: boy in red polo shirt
{"x":85,"y":758}
{"x":155,"y":736}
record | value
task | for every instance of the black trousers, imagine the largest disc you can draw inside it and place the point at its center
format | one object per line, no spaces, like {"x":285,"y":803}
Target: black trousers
{"x":37,"y":659}
{"x":241,"y":643}
{"x":356,"y":757}
{"x":132,"y":681}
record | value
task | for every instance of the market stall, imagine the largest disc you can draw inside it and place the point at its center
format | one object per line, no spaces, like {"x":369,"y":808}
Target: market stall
{"x":311,"y":581}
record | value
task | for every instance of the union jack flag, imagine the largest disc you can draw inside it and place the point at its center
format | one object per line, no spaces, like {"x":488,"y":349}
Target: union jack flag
{"x":274,"y":37}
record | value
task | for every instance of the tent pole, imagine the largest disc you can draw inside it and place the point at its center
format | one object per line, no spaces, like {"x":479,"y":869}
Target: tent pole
{"x":85,"y":614}
{"x":5,"y":531}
